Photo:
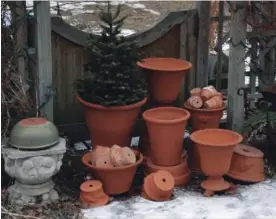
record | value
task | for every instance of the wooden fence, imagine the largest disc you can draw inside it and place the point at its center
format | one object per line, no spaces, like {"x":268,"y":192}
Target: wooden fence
{"x":174,"y":36}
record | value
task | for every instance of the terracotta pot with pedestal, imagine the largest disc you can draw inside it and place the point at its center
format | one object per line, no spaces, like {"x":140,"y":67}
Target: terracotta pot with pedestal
{"x":202,"y":119}
{"x":215,"y":149}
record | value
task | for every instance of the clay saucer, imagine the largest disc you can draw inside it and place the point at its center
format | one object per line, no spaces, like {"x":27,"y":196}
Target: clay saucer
{"x":247,"y":164}
{"x":92,"y":193}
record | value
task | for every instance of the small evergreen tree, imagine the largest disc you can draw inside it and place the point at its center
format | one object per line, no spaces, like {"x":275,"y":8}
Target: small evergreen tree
{"x":113,"y":78}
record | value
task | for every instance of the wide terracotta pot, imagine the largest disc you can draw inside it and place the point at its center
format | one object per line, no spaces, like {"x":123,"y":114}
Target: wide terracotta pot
{"x":164,"y":77}
{"x":111,"y":125}
{"x":166,"y":127}
{"x":215,"y":148}
{"x":247,"y":164}
{"x":115,"y":180}
{"x":202,"y":119}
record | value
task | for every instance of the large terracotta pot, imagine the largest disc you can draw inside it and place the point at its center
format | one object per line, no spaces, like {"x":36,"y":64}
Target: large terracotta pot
{"x":115,"y":180}
{"x":247,"y":164}
{"x":165,"y":77}
{"x":166,"y":127}
{"x":215,"y":148}
{"x":111,"y":125}
{"x":202,"y":119}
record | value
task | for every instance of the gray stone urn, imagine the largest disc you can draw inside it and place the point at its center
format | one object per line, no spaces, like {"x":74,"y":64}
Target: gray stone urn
{"x":33,"y":171}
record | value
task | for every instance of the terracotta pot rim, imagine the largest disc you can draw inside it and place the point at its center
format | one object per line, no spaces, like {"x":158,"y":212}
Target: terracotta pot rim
{"x":147,"y":115}
{"x":194,"y":137}
{"x":180,"y":65}
{"x":86,"y":158}
{"x":124,"y":107}
{"x":205,"y":110}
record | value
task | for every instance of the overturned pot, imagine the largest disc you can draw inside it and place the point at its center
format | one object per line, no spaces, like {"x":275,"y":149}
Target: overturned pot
{"x":166,"y":126}
{"x":115,"y":180}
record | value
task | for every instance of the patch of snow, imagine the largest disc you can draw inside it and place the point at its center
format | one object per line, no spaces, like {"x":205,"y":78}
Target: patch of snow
{"x":152,"y":11}
{"x":254,"y":201}
{"x":137,"y":6}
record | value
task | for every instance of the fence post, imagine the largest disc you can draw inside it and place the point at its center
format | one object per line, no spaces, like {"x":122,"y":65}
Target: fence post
{"x":44,"y":58}
{"x":235,"y":107}
{"x":203,"y":8}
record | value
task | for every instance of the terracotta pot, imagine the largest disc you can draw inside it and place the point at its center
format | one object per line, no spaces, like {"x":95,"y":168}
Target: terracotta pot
{"x":92,"y":194}
{"x":99,"y":151}
{"x":196,"y":91}
{"x":215,"y":148}
{"x":111,"y":125}
{"x":165,"y":77}
{"x":247,"y":164}
{"x":121,"y":156}
{"x":166,"y":126}
{"x":208,"y":92}
{"x":180,"y":172}
{"x":116,"y":180}
{"x":214,"y":103}
{"x":159,"y":186}
{"x":195,"y":102}
{"x":103,"y":161}
{"x":144,"y":145}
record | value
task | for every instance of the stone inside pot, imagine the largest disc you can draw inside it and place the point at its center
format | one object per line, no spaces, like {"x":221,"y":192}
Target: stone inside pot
{"x":247,"y":164}
{"x":34,"y":133}
{"x":116,"y":180}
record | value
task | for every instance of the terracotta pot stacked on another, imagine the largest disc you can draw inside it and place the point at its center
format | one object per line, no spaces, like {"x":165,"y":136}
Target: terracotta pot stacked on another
{"x":166,"y":127}
{"x":158,"y":186}
{"x":206,"y":108}
{"x":92,"y":194}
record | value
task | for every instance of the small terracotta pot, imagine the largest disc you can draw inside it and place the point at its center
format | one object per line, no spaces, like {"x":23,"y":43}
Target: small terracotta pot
{"x":165,"y":77}
{"x":202,"y":119}
{"x":116,"y":180}
{"x":196,"y":91}
{"x":214,"y":103}
{"x":92,"y":194}
{"x":103,"y":161}
{"x":166,"y":126}
{"x":195,"y":102}
{"x":247,"y":164}
{"x":99,"y":151}
{"x":208,"y":92}
{"x":111,"y":125}
{"x":180,"y":172}
{"x":215,"y":148}
{"x":159,"y":186}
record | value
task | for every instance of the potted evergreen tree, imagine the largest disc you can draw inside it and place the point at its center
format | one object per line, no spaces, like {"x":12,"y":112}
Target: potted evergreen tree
{"x":112,"y":93}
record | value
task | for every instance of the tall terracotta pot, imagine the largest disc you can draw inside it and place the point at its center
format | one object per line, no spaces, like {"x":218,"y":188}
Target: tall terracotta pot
{"x":202,"y":119}
{"x":111,"y":125}
{"x":166,"y":127}
{"x":215,"y":148}
{"x":164,"y":77}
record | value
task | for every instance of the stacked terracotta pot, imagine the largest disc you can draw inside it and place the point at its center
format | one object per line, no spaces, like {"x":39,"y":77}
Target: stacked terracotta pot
{"x":158,"y":186}
{"x":206,"y":108}
{"x":162,"y":138}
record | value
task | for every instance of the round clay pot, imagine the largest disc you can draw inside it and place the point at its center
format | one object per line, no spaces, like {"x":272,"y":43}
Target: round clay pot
{"x":202,"y":119}
{"x":195,"y":102}
{"x":165,"y":77}
{"x":196,"y":92}
{"x":159,"y":186}
{"x":99,"y":151}
{"x":116,"y":180}
{"x":208,"y":92}
{"x":215,"y":148}
{"x":111,"y":125}
{"x":166,"y":126}
{"x":214,"y":103}
{"x":179,"y":172}
{"x":247,"y":164}
{"x":92,"y":193}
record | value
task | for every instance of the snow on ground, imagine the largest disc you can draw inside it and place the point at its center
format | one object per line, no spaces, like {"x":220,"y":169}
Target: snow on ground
{"x":251,"y":202}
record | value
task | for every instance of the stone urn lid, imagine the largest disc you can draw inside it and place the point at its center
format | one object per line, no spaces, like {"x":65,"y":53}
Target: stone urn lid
{"x":34,"y":133}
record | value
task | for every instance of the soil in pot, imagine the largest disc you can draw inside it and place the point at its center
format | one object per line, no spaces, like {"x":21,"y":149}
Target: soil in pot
{"x":115,"y":180}
{"x":111,"y":125}
{"x":215,"y":148}
{"x":92,"y":194}
{"x":247,"y":164}
{"x":166,"y":127}
{"x":202,"y":119}
{"x":164,"y":79}
{"x":159,"y":186}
